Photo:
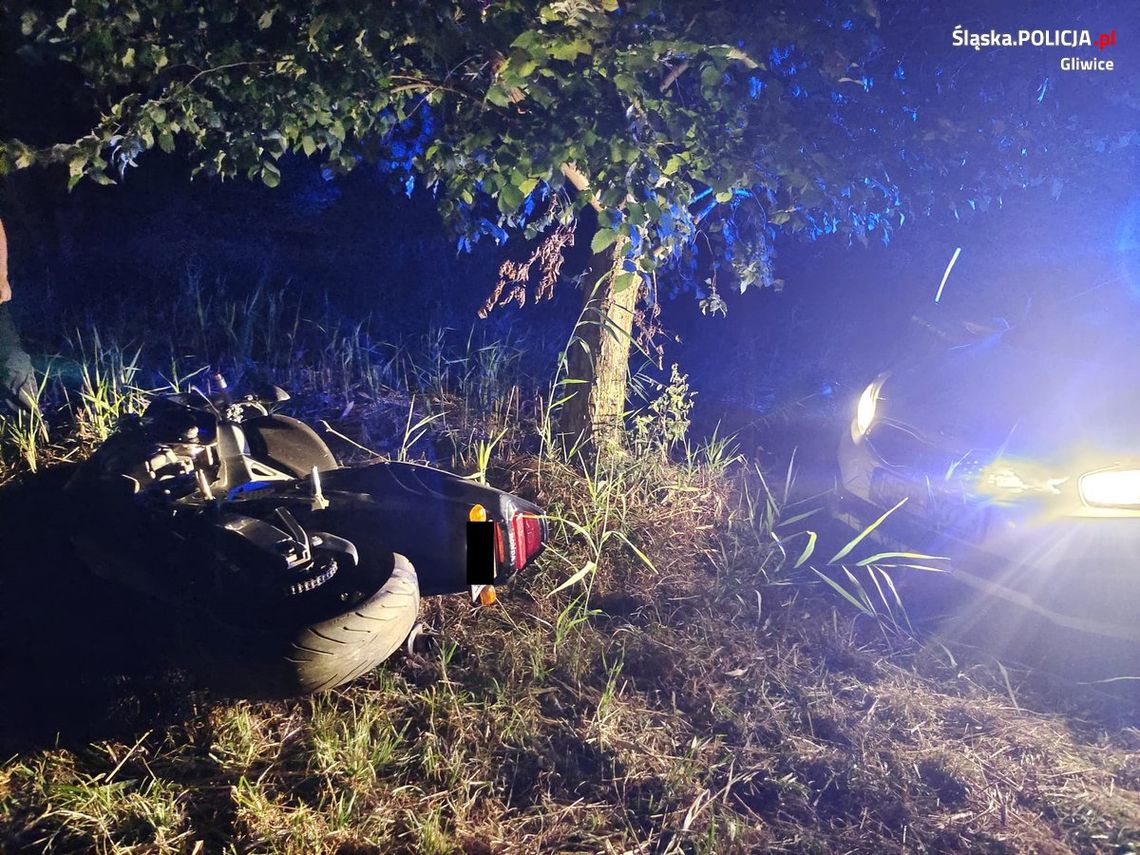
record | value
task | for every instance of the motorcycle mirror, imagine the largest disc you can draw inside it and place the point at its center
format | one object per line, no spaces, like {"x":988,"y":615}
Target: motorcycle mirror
{"x":280,"y":396}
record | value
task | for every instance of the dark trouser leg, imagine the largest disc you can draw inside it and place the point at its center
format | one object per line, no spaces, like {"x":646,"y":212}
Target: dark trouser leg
{"x":17,"y":382}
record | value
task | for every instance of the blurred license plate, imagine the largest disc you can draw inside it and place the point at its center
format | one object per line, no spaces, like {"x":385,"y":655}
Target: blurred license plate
{"x":888,"y":490}
{"x":943,"y":512}
{"x":480,"y":553}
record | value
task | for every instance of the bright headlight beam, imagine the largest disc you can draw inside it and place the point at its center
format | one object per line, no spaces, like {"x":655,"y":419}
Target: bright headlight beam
{"x":1111,"y":488}
{"x":865,"y":410}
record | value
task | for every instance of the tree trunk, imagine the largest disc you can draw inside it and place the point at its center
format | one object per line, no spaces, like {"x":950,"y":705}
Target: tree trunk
{"x":598,"y":358}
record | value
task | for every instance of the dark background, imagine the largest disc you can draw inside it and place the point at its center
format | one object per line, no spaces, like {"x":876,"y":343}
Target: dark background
{"x":381,"y":257}
{"x":844,"y":313}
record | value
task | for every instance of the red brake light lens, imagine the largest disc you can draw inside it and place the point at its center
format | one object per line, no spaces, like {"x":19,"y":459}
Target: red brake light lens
{"x":500,"y":547}
{"x":526,"y":534}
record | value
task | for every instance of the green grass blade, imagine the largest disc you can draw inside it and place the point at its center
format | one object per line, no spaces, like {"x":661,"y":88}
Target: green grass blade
{"x":864,"y":533}
{"x":584,"y":571}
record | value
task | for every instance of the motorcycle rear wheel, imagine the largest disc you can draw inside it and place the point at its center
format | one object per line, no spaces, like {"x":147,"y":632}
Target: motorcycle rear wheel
{"x":321,"y":655}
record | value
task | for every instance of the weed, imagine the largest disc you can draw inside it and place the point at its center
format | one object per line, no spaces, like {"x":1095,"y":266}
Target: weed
{"x":27,"y":432}
{"x":665,"y":424}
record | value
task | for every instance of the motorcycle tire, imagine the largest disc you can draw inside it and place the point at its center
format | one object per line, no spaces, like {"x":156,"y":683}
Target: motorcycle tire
{"x":324,"y":654}
{"x":288,"y":445}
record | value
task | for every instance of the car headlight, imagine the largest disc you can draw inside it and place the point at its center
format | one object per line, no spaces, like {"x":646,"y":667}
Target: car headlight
{"x":865,"y":410}
{"x":1111,"y":488}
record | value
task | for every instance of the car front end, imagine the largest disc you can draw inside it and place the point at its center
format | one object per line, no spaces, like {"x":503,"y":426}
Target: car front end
{"x":1056,"y":533}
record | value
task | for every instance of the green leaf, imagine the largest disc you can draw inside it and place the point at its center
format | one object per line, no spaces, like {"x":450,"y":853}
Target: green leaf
{"x":166,"y":141}
{"x":625,"y":279}
{"x":498,"y":96}
{"x":603,"y":238}
{"x":270,"y":174}
{"x":568,"y":50}
{"x":673,"y":165}
{"x":266,"y":19}
{"x":527,"y":39}
{"x":625,"y":83}
{"x":509,"y":198}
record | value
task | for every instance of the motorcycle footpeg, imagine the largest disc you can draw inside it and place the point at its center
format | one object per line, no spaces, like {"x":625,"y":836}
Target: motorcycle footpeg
{"x":346,"y":549}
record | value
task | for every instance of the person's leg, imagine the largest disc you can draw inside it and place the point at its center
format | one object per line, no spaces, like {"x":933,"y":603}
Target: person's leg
{"x":17,"y":381}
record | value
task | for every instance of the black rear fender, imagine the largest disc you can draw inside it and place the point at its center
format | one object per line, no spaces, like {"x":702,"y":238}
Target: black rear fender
{"x":423,"y":513}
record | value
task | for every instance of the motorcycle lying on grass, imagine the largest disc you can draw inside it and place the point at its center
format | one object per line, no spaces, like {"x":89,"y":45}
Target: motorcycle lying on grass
{"x":295,"y":574}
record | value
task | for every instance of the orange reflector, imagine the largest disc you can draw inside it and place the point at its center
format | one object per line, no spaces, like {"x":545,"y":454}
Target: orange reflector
{"x":478,"y":513}
{"x":487,"y":596}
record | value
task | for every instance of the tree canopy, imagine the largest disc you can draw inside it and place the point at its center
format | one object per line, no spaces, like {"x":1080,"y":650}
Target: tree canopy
{"x":696,"y":126}
{"x":697,"y":131}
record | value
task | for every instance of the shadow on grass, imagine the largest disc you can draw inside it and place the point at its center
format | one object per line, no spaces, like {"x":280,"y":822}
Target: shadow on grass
{"x":80,"y":658}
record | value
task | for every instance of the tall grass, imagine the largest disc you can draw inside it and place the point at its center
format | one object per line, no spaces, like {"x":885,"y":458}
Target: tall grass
{"x":463,"y":397}
{"x":767,"y":516}
{"x":24,"y":435}
{"x":107,"y":390}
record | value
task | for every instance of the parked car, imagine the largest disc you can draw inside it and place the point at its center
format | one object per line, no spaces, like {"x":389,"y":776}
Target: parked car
{"x":1016,"y":453}
{"x":298,"y":574}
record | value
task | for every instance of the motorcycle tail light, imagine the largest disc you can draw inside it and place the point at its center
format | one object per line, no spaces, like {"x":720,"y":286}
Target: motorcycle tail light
{"x":500,"y":546}
{"x":526,"y":531}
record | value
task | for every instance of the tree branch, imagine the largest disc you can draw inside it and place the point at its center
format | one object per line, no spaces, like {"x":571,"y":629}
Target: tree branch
{"x":674,"y":72}
{"x":581,"y":184}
